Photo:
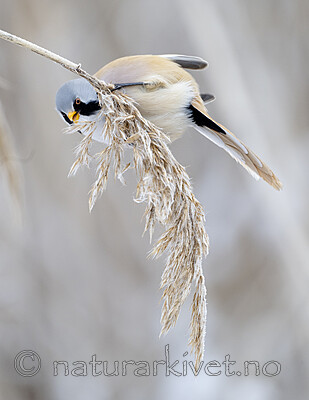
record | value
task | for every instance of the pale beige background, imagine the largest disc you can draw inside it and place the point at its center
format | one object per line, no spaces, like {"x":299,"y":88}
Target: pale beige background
{"x":74,"y":284}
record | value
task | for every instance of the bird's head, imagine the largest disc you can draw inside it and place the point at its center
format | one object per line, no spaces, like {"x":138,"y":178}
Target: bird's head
{"x":77,"y":98}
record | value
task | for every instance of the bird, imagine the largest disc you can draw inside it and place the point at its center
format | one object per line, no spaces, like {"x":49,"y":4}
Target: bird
{"x":167,"y":95}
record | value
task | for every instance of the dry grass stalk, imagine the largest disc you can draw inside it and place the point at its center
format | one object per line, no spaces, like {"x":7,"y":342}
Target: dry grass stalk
{"x":164,"y":186}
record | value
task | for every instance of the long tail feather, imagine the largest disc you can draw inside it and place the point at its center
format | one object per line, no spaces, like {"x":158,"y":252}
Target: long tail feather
{"x":225,"y":139}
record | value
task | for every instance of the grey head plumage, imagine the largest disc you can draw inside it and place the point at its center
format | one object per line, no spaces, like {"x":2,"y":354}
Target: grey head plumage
{"x":81,"y":90}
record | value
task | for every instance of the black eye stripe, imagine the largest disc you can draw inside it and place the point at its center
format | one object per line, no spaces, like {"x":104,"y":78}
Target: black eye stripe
{"x":66,"y":118}
{"x":87,"y":109}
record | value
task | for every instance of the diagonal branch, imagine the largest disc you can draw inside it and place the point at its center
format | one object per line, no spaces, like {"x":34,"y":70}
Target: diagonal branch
{"x":65,"y":63}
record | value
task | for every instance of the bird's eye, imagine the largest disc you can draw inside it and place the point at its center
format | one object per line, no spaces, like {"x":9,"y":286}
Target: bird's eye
{"x":77,"y":101}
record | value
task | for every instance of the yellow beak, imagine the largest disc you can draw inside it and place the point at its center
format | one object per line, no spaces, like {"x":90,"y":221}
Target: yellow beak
{"x":73,"y":116}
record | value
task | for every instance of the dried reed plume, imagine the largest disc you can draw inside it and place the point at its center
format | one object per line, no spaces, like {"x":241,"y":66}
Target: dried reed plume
{"x":162,"y":183}
{"x":164,"y":186}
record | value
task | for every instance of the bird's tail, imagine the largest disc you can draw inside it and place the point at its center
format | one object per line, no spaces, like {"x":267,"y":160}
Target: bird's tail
{"x":225,"y":139}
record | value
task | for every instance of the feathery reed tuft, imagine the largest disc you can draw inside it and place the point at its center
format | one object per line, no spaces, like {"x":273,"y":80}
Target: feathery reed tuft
{"x":164,"y":186}
{"x":162,"y":183}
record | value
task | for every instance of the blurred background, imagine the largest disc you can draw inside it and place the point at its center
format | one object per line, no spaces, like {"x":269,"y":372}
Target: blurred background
{"x":75,"y":284}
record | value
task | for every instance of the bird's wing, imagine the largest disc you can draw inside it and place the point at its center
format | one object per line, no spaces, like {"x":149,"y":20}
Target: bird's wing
{"x":223,"y":138}
{"x":188,"y":62}
{"x":150,"y":72}
{"x":142,"y":68}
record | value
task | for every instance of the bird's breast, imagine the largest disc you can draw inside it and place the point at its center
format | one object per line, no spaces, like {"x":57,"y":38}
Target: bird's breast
{"x":166,"y":106}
